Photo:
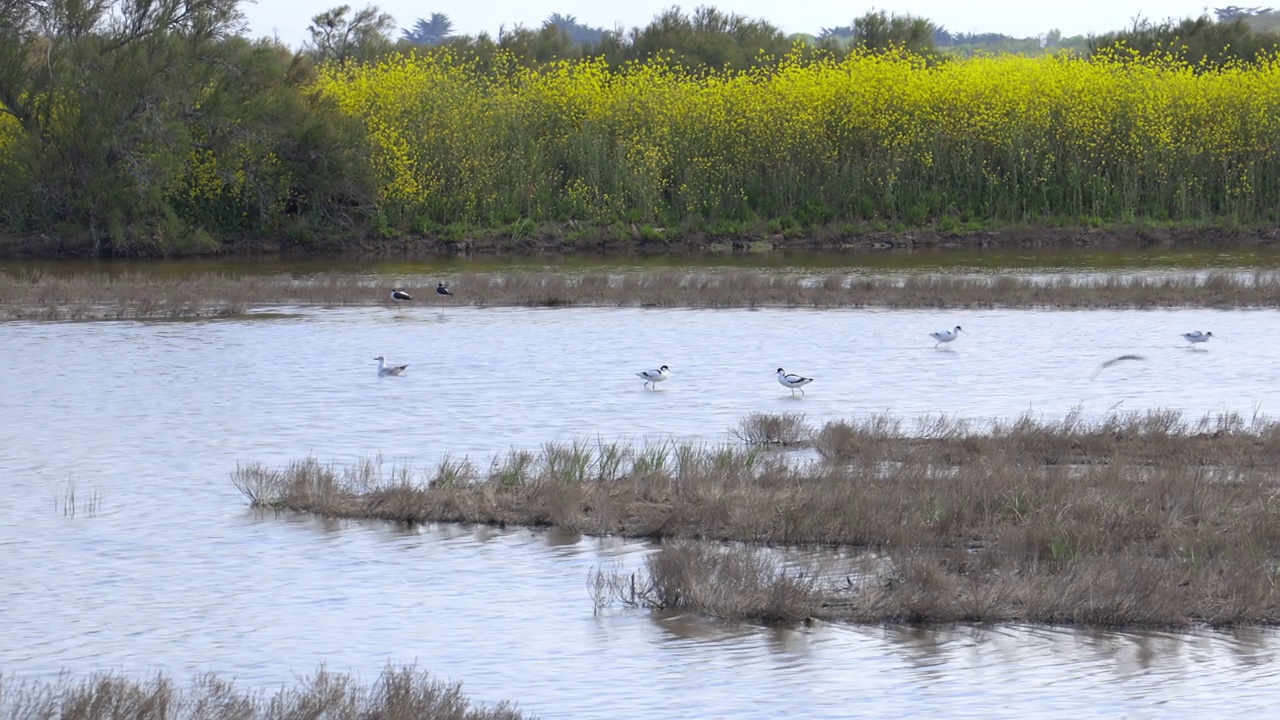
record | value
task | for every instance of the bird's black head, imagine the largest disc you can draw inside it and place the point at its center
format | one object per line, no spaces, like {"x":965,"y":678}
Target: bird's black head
{"x":780,"y":370}
{"x":664,"y":367}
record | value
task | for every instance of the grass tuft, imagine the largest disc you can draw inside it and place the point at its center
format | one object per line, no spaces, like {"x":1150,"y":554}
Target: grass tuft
{"x":787,"y":430}
{"x":397,"y":693}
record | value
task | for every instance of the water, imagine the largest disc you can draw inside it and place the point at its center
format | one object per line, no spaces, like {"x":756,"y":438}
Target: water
{"x":169,"y":570}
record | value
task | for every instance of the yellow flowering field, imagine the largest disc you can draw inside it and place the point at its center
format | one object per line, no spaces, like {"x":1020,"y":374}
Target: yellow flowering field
{"x":875,"y":136}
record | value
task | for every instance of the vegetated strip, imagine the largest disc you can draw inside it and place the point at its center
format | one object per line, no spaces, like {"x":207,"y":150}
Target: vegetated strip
{"x":138,"y":295}
{"x":399,"y":692}
{"x":1135,"y":520}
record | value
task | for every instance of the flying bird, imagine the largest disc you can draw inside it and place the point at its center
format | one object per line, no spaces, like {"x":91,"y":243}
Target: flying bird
{"x":384,"y":369}
{"x":792,"y":381}
{"x":653,"y":377}
{"x":1113,"y":361}
{"x":945,"y":336}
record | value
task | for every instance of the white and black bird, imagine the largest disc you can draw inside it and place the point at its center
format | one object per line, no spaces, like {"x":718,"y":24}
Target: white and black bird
{"x":1197,"y":337}
{"x":792,"y":381}
{"x":945,"y":336}
{"x":385,"y":369}
{"x":653,"y":377}
{"x":400,"y":296}
{"x":442,"y":290}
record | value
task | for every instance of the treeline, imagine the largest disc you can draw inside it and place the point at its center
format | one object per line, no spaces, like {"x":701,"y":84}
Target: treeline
{"x":140,"y":127}
{"x":705,"y":37}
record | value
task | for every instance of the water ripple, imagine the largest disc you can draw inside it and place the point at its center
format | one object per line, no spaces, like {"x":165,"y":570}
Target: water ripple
{"x":171,"y":571}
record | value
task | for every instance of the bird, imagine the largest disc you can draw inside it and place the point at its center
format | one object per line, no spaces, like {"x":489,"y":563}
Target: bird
{"x":653,"y":377}
{"x":792,"y":381}
{"x":1197,"y":337}
{"x":398,"y":295}
{"x":385,"y":369}
{"x":442,"y":290}
{"x":945,"y":336}
{"x":1113,"y":361}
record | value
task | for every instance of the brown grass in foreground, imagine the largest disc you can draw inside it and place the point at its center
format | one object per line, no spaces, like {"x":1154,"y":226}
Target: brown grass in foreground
{"x":1140,"y":519}
{"x":137,"y":295}
{"x":397,"y":693}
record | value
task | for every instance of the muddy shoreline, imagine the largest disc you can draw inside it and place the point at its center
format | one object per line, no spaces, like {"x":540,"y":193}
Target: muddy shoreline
{"x":567,"y":240}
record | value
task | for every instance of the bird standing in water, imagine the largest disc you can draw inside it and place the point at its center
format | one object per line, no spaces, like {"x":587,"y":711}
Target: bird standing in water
{"x":792,"y":381}
{"x":653,"y":377}
{"x":945,"y":336}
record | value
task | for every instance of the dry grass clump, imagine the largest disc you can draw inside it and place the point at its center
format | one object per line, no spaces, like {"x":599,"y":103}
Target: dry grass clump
{"x":397,"y":693}
{"x":37,"y":295}
{"x":1133,"y":519}
{"x":733,"y":583}
{"x":1153,"y":436}
{"x":781,"y":430}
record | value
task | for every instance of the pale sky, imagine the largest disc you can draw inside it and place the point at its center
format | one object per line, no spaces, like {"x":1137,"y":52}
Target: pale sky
{"x":288,"y":19}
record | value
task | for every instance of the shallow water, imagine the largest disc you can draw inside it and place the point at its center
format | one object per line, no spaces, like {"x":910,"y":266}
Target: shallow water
{"x":162,"y":566}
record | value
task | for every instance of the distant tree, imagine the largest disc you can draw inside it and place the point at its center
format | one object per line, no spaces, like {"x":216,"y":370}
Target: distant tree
{"x":337,"y":35}
{"x":431,"y":31}
{"x":577,"y":32}
{"x":535,"y":46}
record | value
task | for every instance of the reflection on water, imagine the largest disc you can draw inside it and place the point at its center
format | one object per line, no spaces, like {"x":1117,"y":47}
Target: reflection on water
{"x":173,"y":572}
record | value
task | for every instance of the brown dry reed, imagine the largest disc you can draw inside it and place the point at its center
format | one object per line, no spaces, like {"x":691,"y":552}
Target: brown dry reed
{"x":1139,"y":519}
{"x":397,"y":693}
{"x":37,"y":295}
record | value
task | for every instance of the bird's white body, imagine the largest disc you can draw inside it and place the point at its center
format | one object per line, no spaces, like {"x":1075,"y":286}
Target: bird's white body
{"x":385,"y":369}
{"x":1197,"y":336}
{"x":399,"y":295}
{"x":653,"y":377}
{"x":945,"y":336}
{"x":792,"y":382}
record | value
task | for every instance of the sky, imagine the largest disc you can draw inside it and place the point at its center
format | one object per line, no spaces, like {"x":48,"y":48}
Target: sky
{"x":287,"y":19}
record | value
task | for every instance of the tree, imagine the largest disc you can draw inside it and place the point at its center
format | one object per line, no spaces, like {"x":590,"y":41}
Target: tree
{"x":578,"y":33}
{"x":705,"y":38}
{"x":430,"y":32}
{"x":101,"y":90}
{"x":878,"y":31}
{"x":362,"y":36}
{"x":1200,"y":42}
